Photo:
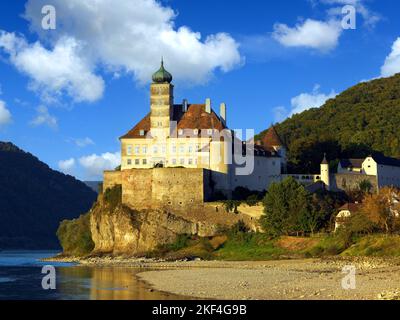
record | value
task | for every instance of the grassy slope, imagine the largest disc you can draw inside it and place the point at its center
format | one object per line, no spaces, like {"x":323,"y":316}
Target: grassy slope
{"x":257,"y":247}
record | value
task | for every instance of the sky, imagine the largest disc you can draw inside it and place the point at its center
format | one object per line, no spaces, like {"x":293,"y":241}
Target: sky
{"x":72,"y":85}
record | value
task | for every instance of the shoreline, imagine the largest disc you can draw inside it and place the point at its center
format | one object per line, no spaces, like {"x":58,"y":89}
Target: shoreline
{"x":297,"y":279}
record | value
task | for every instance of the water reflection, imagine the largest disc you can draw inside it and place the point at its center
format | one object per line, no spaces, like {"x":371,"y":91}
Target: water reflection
{"x":106,"y":283}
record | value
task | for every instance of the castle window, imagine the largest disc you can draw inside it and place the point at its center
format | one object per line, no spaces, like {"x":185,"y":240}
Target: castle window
{"x":137,"y":162}
{"x":137,"y":149}
{"x":195,"y":132}
{"x":190,"y":161}
{"x":182,"y":161}
{"x":173,"y":148}
{"x":141,"y":133}
{"x":144,"y":149}
{"x":164,"y":150}
{"x":209,"y":131}
{"x":144,"y":162}
{"x":174,"y":161}
{"x":180,"y":132}
{"x":182,"y":148}
{"x":129,"y":150}
{"x":129,"y":162}
{"x":190,"y":149}
{"x":155,"y":149}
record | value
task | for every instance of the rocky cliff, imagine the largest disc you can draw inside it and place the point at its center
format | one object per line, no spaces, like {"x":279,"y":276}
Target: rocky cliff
{"x":118,"y":229}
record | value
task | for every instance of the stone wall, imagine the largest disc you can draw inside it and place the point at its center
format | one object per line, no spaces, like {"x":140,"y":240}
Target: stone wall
{"x":178,"y":187}
{"x":348,"y":182}
{"x":111,"y":179}
{"x":167,"y":188}
{"x":137,"y":187}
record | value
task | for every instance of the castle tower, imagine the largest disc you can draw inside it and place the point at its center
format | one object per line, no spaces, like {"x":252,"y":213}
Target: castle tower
{"x":273,"y":142}
{"x":161,"y":100}
{"x":325,"y":173}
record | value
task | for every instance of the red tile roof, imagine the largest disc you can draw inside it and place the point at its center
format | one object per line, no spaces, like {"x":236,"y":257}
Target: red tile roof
{"x":134,"y":133}
{"x":194,"y":118}
{"x":271,"y":139}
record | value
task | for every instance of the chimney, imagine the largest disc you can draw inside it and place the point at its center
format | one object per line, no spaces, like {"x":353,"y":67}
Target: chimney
{"x":222,"y":112}
{"x":184,"y":105}
{"x":208,"y":105}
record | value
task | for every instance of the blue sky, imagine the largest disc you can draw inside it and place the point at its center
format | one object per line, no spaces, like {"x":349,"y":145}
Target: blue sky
{"x":68,"y":94}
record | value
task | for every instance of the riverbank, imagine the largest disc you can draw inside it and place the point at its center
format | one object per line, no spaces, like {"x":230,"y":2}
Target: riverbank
{"x":281,"y":280}
{"x":305,"y":279}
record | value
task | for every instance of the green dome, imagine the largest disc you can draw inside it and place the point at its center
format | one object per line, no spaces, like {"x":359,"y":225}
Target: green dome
{"x":162,"y":75}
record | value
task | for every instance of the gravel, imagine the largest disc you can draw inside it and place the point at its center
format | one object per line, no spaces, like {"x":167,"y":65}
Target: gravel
{"x":279,"y":280}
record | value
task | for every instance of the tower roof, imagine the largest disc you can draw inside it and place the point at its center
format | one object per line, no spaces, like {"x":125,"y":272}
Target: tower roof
{"x":324,"y":161}
{"x":272,"y":139}
{"x":162,"y":75}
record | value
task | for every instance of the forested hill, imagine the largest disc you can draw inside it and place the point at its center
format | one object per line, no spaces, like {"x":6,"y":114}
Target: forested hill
{"x":34,"y":199}
{"x":361,"y":120}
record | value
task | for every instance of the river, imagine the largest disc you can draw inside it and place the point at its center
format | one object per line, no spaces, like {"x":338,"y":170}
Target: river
{"x":21,"y":279}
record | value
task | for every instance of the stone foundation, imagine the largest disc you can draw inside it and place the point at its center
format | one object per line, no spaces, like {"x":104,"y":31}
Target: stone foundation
{"x":166,"y":188}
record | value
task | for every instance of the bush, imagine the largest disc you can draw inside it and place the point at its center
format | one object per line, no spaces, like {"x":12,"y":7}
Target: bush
{"x":365,"y":186}
{"x":113,"y":196}
{"x":238,"y":228}
{"x":181,"y":242}
{"x":252,"y":200}
{"x":75,"y":236}
{"x":231,"y":206}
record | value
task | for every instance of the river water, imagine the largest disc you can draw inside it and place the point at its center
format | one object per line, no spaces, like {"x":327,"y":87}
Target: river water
{"x":21,"y":279}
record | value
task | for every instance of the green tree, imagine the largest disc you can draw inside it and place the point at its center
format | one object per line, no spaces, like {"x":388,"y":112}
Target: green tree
{"x":365,"y":186}
{"x":286,"y":208}
{"x":75,"y":236}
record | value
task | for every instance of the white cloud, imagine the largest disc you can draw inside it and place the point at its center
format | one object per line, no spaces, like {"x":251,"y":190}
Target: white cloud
{"x":43,"y":117}
{"x":303,"y":102}
{"x":5,"y":114}
{"x":54,"y":72}
{"x":94,"y":164}
{"x":392,"y":62}
{"x":83,"y":142}
{"x":67,"y":166}
{"x":319,"y":35}
{"x":131,"y":36}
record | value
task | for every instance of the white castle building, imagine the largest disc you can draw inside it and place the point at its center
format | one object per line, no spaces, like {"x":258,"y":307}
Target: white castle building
{"x":190,"y":135}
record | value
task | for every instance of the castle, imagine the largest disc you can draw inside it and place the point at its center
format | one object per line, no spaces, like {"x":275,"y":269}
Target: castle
{"x":186,"y":151}
{"x":180,"y":155}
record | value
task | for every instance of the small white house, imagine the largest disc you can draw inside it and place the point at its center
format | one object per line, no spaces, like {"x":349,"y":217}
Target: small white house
{"x":345,"y":213}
